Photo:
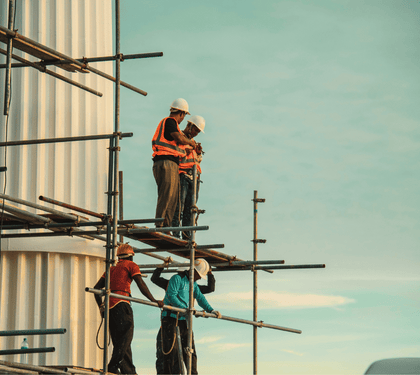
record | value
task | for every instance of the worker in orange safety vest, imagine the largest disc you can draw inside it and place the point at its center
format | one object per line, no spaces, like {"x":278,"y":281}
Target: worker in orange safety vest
{"x":195,"y":125}
{"x":169,"y":144}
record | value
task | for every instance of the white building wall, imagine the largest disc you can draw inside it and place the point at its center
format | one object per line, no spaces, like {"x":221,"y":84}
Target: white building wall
{"x":42,"y":281}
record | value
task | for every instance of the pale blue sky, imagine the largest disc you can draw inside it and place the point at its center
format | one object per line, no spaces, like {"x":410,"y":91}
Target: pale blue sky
{"x":315,"y":105}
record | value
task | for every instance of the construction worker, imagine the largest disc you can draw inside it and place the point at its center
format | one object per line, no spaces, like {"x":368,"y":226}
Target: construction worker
{"x":121,"y":322}
{"x":169,"y":144}
{"x":195,"y":125}
{"x":177,"y":295}
{"x":163,"y":283}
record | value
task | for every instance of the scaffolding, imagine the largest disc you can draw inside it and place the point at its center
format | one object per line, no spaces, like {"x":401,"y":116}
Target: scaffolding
{"x":106,"y":227}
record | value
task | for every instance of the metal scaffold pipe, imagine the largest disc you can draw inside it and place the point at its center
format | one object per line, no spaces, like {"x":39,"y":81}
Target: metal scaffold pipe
{"x":198,"y":247}
{"x":8,"y":79}
{"x":196,"y":313}
{"x":27,"y":351}
{"x":191,"y":274}
{"x":64,"y":139}
{"x":71,"y":207}
{"x":123,"y":231}
{"x":31,"y":332}
{"x":36,"y":369}
{"x":89,"y":59}
{"x":224,"y":264}
{"x":82,"y":65}
{"x":75,"y":224}
{"x":42,"y":69}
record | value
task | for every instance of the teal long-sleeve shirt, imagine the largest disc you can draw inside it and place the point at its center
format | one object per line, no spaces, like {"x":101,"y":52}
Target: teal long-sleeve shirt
{"x":178,"y":295}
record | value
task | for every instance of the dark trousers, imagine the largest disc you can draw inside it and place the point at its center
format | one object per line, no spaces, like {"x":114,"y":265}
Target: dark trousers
{"x":167,"y":180}
{"x":121,"y":327}
{"x":170,"y":360}
{"x":183,"y":209}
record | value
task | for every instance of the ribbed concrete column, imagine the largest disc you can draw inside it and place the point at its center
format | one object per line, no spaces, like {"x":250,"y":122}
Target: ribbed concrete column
{"x":42,"y":280}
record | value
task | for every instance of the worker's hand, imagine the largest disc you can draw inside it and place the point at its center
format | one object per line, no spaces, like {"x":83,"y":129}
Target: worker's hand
{"x":160,"y":303}
{"x":217,"y":313}
{"x":102,"y":310}
{"x":198,"y":149}
{"x":188,"y":149}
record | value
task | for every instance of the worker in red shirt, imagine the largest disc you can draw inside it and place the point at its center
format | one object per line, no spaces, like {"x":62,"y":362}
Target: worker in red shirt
{"x":121,"y":322}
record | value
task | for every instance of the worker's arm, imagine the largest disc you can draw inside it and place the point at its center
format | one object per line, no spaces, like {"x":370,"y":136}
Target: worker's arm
{"x":211,"y":284}
{"x":159,"y":281}
{"x":145,"y":290}
{"x":201,"y":300}
{"x":99,"y":285}
{"x":183,"y":140}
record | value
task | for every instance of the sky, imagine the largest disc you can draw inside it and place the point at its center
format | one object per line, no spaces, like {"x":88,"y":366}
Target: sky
{"x":314,"y":104}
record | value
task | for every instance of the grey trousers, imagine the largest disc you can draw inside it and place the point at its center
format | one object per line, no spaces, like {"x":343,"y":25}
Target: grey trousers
{"x":166,"y":173}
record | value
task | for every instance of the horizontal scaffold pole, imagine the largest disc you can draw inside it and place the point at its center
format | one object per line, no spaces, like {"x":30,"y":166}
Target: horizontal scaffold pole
{"x":82,"y":66}
{"x":53,"y":74}
{"x":71,"y":207}
{"x":123,"y":231}
{"x":75,"y":224}
{"x":198,"y":247}
{"x":33,"y":332}
{"x":27,"y":351}
{"x":224,"y":264}
{"x":216,"y":268}
{"x":269,"y":268}
{"x":37,"y":369}
{"x":41,"y":208}
{"x":89,"y":59}
{"x":64,"y":139}
{"x":197,"y":313}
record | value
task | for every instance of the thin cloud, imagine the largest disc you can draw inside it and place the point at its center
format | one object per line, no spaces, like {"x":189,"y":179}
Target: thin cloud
{"x":275,"y":300}
{"x":228,"y":346}
{"x":209,"y":339}
{"x":293,"y":352}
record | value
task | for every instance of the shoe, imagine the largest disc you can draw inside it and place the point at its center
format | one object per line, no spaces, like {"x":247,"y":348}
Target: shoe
{"x":113,"y":370}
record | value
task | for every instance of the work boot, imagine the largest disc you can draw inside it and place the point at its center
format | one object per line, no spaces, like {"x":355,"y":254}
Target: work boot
{"x":114,"y":370}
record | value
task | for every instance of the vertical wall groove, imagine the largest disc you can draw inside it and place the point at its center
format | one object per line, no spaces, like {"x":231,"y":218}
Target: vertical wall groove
{"x":42,"y":281}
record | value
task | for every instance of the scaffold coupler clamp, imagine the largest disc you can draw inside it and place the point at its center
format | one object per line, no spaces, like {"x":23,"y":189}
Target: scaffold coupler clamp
{"x":188,"y":350}
{"x":85,"y":63}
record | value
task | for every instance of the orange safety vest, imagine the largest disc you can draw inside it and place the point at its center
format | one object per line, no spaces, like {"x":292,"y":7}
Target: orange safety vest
{"x":161,"y":146}
{"x":188,"y":161}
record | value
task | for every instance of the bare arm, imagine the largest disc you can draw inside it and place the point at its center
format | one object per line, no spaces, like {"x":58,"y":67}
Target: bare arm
{"x":99,"y":285}
{"x":145,"y":290}
{"x":183,"y":140}
{"x":158,"y":280}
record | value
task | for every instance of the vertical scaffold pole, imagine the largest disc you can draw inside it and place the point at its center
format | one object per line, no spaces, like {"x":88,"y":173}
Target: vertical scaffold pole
{"x":255,"y":294}
{"x":108,"y":252}
{"x":192,"y":259}
{"x":117,"y":123}
{"x":8,"y":82}
{"x":121,"y":200}
{"x":113,"y":182}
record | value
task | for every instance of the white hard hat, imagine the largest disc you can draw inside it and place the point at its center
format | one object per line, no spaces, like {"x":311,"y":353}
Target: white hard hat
{"x":180,"y":104}
{"x":202,"y":267}
{"x":198,"y":121}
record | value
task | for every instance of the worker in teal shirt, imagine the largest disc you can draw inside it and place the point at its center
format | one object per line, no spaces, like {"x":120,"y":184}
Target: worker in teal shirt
{"x":177,"y":295}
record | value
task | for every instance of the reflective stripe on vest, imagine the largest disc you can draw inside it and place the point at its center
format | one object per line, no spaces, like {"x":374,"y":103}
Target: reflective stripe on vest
{"x":188,"y":161}
{"x":161,"y":146}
